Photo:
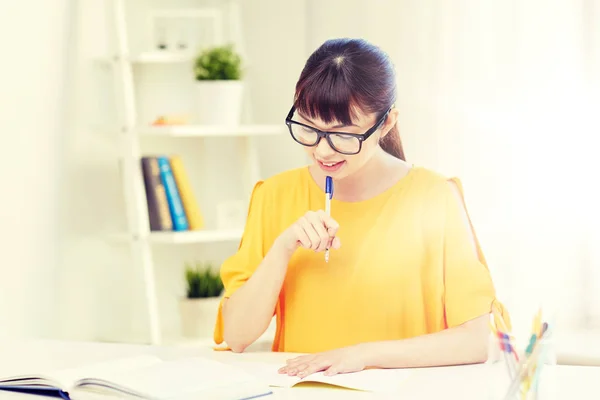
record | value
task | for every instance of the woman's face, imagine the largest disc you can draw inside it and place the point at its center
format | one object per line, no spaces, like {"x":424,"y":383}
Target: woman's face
{"x":336,"y":164}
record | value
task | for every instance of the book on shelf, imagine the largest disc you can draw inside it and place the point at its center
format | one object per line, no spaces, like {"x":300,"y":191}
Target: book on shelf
{"x":172,"y":205}
{"x":190,"y":205}
{"x":142,"y":377}
{"x":178,"y":216}
{"x":156,"y":197}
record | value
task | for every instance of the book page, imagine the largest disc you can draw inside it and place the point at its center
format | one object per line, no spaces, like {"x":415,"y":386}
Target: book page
{"x":69,"y":377}
{"x":181,"y":378}
{"x":372,"y":380}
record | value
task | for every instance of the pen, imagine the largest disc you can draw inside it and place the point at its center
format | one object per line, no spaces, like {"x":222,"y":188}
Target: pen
{"x":504,"y":329}
{"x":328,"y":196}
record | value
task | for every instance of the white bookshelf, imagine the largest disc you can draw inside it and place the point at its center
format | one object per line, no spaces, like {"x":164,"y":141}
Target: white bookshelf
{"x":183,"y":237}
{"x":138,"y":236}
{"x":162,"y":57}
{"x":187,"y":237}
{"x":211,"y":131}
{"x":149,"y":57}
{"x":153,"y":57}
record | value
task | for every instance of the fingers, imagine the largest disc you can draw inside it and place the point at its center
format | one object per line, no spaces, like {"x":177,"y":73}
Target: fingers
{"x":329,"y":223}
{"x":311,"y":232}
{"x":305,"y":365}
{"x":333,"y":370}
{"x":293,"y":370}
{"x":301,"y":237}
{"x":336,"y":243}
{"x":295,"y":365}
{"x":317,"y":231}
{"x":319,"y":228}
{"x":315,"y":366}
{"x":332,"y":226}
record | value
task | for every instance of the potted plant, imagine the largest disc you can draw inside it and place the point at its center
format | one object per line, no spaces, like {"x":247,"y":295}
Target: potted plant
{"x":219,"y":86}
{"x":203,"y":294}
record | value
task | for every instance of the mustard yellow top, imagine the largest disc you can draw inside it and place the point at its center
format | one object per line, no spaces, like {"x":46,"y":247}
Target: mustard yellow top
{"x":406,"y":267}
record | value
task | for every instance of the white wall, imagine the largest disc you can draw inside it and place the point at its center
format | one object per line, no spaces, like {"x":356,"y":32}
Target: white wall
{"x":32,"y":76}
{"x":503,"y":95}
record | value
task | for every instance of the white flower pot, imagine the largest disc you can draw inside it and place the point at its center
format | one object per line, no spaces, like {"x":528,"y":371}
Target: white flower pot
{"x":219,"y":102}
{"x":198,"y":316}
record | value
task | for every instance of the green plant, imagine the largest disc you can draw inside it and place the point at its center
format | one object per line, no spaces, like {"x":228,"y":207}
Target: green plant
{"x":202,"y":281}
{"x":218,"y":63}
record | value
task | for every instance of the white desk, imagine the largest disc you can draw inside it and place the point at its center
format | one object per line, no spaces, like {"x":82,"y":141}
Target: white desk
{"x":466,"y":382}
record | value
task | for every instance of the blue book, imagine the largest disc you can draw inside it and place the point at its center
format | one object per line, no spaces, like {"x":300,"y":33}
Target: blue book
{"x":180,"y":222}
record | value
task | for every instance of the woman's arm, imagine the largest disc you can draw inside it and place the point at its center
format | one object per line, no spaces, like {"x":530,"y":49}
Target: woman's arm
{"x":248,"y":312}
{"x":463,"y":344}
{"x":466,"y":343}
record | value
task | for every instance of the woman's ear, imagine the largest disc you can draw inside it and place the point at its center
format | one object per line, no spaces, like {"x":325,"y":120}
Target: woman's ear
{"x":390,"y":122}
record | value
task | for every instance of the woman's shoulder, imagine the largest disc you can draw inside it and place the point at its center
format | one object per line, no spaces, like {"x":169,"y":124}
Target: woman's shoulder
{"x":281,"y":185}
{"x":439,"y":193}
{"x":431,"y":182}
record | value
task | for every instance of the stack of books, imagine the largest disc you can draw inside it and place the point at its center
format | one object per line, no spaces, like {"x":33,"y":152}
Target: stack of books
{"x":172,"y":205}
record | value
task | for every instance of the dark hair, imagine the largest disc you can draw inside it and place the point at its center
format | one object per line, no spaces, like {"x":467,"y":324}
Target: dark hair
{"x":346,"y":75}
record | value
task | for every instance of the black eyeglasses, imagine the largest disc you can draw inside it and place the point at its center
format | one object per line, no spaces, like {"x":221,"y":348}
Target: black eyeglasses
{"x":345,"y":143}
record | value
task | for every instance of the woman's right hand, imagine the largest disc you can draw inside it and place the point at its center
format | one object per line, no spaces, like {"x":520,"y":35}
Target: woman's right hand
{"x":315,"y":230}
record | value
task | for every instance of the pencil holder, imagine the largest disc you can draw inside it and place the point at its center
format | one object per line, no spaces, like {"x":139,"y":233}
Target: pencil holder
{"x":518,"y":370}
{"x":526,"y":377}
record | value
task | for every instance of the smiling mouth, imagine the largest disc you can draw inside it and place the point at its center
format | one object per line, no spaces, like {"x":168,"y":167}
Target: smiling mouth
{"x":331,"y":166}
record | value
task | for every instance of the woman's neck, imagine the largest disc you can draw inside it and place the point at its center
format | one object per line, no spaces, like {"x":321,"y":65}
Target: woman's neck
{"x":380,"y":173}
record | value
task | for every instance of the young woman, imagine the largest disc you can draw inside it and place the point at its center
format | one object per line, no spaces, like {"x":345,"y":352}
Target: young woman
{"x":406,"y":283}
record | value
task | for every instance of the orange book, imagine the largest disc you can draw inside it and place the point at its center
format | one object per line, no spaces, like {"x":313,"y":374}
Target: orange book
{"x":190,"y":205}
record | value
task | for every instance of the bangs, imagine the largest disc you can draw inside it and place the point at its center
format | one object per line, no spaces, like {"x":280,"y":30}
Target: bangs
{"x":327,"y":95}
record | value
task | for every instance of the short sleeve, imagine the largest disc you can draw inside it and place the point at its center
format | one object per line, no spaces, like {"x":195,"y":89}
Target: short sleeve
{"x":238,"y":268}
{"x":468,"y":288}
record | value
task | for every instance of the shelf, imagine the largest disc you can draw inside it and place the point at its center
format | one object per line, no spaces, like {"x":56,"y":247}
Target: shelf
{"x":187,"y":237}
{"x":151,"y":57}
{"x":173,"y":339}
{"x":211,"y":130}
{"x":162,"y":57}
{"x":263,"y":344}
{"x":207,"y":236}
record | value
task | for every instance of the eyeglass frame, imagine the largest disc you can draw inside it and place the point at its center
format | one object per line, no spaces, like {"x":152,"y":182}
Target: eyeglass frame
{"x":323,"y":134}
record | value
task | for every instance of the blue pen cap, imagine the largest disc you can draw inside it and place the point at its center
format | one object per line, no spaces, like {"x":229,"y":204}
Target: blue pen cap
{"x":329,"y":185}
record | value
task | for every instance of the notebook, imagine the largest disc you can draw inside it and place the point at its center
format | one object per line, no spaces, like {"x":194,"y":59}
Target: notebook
{"x":370,"y":380}
{"x":145,"y":377}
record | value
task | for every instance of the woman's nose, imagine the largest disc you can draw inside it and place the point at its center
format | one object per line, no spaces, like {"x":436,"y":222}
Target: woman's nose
{"x":323,"y":149}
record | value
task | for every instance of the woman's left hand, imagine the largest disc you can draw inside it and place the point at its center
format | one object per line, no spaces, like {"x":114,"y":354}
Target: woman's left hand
{"x":343,"y":360}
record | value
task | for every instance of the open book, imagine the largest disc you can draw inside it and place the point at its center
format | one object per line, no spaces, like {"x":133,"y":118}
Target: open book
{"x":371,"y":380}
{"x":144,"y":377}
